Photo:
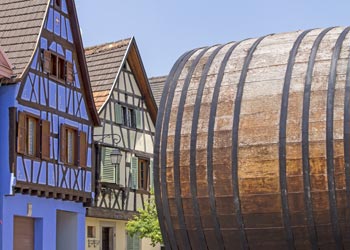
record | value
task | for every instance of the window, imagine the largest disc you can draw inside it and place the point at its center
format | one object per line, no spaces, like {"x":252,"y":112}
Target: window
{"x":60,"y":68}
{"x":33,"y":137}
{"x":53,"y":65}
{"x":129,"y":117}
{"x":32,"y":131}
{"x":57,"y":3}
{"x":91,"y":232}
{"x":73,"y":146}
{"x":57,"y":66}
{"x":142,"y":173}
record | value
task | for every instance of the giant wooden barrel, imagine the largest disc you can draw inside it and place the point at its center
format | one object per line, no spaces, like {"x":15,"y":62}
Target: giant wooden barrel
{"x":252,"y":146}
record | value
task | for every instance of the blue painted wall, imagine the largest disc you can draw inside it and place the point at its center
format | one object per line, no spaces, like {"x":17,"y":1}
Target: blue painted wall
{"x":7,"y":99}
{"x":44,"y":212}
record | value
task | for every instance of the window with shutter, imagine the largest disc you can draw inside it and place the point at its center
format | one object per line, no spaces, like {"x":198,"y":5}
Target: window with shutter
{"x":70,"y":143}
{"x":151,"y":180}
{"x":69,"y":72}
{"x":118,"y":113}
{"x":134,"y":172}
{"x":63,"y":143}
{"x":109,"y":173}
{"x":22,"y":131}
{"x":53,"y":65}
{"x":69,"y":152}
{"x":57,"y":66}
{"x":138,"y":114}
{"x":61,"y":68}
{"x":31,"y":132}
{"x":131,"y":118}
{"x":45,"y":139}
{"x":28,"y":140}
{"x":143,"y":174}
{"x":47,"y":61}
{"x":82,"y":149}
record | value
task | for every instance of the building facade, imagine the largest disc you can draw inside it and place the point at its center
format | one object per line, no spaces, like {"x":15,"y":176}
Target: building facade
{"x":46,"y":130}
{"x":127,"y":111}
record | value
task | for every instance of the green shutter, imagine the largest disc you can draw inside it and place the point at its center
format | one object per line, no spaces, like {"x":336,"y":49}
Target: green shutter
{"x":134,"y":172}
{"x":107,"y":168}
{"x":129,"y":242}
{"x":138,"y":119}
{"x":136,"y":242}
{"x":118,"y":112}
{"x":133,"y":243}
{"x":151,"y":174}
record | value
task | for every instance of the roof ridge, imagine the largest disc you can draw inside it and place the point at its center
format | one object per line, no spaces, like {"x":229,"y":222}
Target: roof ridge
{"x":107,"y":46}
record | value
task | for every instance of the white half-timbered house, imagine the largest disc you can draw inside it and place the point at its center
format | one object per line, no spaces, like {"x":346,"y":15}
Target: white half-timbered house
{"x":127,"y":111}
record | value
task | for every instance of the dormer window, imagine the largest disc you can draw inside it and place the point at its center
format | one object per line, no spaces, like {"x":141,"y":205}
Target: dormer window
{"x":58,"y":4}
{"x":57,"y":67}
{"x":128,"y":116}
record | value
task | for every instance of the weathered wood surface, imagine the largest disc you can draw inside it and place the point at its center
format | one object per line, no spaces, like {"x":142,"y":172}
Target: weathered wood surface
{"x":285,"y":184}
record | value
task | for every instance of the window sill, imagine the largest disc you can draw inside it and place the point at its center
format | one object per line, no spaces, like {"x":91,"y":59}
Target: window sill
{"x":32,"y":157}
{"x":142,"y":191}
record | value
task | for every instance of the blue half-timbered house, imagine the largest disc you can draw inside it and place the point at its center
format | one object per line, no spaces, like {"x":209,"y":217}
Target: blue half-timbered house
{"x":47,"y":115}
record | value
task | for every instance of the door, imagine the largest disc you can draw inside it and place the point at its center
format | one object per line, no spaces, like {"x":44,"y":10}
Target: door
{"x":23,"y":233}
{"x":107,"y":238}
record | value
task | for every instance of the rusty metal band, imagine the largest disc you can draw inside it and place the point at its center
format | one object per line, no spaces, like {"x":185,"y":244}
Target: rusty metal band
{"x":282,"y":141}
{"x":193,"y":150}
{"x":164,"y":141}
{"x":169,"y":240}
{"x":235,"y":128}
{"x":211,"y":124}
{"x":347,"y":135}
{"x":177,"y":142}
{"x":305,"y":141}
{"x":329,"y":140}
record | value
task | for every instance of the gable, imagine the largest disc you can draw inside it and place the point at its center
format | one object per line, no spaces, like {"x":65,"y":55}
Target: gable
{"x":59,"y":37}
{"x":105,"y":62}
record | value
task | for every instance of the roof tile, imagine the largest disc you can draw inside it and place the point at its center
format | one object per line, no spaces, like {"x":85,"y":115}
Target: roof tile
{"x":157,"y":86}
{"x":20,"y":25}
{"x":103,"y":63}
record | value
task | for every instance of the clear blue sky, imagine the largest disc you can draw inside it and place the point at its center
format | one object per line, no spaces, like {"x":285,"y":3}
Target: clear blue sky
{"x":165,"y":29}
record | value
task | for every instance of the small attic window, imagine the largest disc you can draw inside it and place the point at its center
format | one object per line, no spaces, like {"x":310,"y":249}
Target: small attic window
{"x":58,"y":3}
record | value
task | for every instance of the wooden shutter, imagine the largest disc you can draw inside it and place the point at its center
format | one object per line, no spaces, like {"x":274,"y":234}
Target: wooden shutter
{"x":138,"y":114}
{"x":22,"y":133}
{"x":134,"y":172}
{"x":12,"y":137}
{"x":151,"y":174}
{"x":69,"y":72}
{"x":45,"y":139}
{"x":118,"y":112}
{"x":82,"y":149}
{"x":63,"y":144}
{"x":47,"y":61}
